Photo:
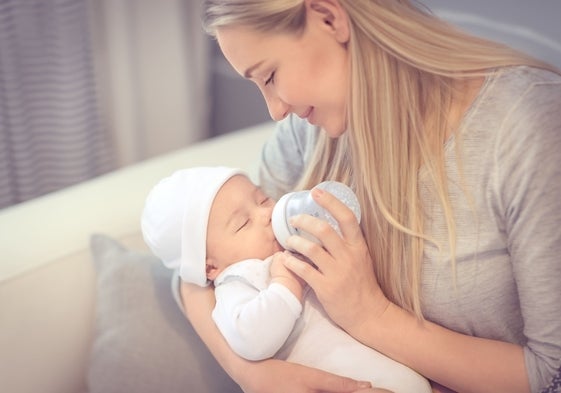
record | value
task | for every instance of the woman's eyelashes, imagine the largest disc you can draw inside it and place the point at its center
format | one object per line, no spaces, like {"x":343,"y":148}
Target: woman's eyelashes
{"x":271,"y":79}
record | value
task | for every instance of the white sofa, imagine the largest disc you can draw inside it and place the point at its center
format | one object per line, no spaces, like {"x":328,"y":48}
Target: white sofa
{"x":47,"y":279}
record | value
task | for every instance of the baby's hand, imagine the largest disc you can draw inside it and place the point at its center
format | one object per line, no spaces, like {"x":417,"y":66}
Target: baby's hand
{"x":278,"y":269}
{"x":280,"y":274}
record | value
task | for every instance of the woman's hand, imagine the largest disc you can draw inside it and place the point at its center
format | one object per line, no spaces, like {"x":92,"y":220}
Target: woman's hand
{"x":438,"y":388}
{"x":344,"y":264}
{"x":277,"y":376}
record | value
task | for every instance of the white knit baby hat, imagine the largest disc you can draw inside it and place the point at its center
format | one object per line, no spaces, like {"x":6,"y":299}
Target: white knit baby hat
{"x":175,"y":218}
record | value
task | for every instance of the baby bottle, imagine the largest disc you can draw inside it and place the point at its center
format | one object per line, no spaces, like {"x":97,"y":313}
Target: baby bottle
{"x":301,"y":202}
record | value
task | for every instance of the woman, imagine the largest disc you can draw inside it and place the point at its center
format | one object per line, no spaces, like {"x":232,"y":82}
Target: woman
{"x":451,"y":144}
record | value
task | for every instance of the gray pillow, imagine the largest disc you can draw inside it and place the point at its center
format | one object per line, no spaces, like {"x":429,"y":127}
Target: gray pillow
{"x":142,"y":342}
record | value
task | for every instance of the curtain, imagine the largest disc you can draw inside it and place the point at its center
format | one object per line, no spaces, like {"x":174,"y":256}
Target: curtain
{"x":51,"y":132}
{"x":153,"y":61}
{"x":87,"y":86}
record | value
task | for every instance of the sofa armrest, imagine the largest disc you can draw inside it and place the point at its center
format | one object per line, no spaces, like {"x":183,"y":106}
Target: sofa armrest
{"x":35,"y":232}
{"x":47,"y":280}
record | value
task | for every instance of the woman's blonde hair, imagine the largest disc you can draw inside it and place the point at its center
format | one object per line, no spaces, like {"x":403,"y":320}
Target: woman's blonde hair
{"x":406,"y":69}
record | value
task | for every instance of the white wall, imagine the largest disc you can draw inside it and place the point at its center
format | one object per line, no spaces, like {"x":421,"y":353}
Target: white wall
{"x":153,"y":61}
{"x":533,"y":26}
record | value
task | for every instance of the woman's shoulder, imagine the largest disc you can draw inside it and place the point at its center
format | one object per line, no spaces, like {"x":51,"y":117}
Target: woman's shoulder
{"x":519,"y":117}
{"x":297,"y":130}
{"x":518,"y":107}
{"x":286,"y":154}
{"x":515,"y":92}
{"x":518,"y":79}
{"x":528,"y":91}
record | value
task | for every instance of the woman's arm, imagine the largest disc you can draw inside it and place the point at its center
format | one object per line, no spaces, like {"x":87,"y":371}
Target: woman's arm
{"x":267,"y":376}
{"x":285,"y":154}
{"x":463,"y":363}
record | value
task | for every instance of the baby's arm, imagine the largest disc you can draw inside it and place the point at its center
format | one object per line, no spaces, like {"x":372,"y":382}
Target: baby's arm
{"x":281,"y":275}
{"x":255,"y":323}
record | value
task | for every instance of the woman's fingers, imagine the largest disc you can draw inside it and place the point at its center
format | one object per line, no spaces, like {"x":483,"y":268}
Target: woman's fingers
{"x":344,"y":263}
{"x":335,"y":244}
{"x":331,"y":383}
{"x":344,"y":216}
{"x":333,"y":247}
{"x":274,"y":375}
{"x":302,"y":269}
{"x":312,"y":250}
{"x":336,"y":384}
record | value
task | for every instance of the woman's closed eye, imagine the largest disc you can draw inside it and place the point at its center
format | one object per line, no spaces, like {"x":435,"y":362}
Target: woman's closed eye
{"x":271,"y":79}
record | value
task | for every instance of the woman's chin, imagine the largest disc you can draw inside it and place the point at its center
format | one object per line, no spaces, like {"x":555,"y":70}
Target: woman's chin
{"x":334,"y":132}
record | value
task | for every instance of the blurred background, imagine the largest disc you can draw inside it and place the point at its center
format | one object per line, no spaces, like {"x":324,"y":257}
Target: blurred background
{"x":89,"y":86}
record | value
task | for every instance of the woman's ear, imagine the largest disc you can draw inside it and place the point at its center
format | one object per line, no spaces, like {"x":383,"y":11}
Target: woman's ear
{"x":332,"y":16}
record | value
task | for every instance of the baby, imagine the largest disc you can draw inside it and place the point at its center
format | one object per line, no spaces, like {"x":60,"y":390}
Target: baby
{"x":214,"y":225}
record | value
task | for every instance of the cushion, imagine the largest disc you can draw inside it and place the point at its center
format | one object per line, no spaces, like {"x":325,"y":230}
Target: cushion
{"x":142,"y":341}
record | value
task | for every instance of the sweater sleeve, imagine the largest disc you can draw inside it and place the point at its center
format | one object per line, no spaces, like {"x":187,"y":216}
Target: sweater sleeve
{"x":255,"y":323}
{"x":529,"y":182}
{"x":286,"y":154}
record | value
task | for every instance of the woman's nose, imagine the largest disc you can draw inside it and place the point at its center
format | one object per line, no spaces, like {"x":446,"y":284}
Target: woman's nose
{"x":278,"y":109}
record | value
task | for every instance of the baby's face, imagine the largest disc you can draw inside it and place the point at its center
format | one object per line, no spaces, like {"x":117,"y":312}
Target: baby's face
{"x":239,"y":225}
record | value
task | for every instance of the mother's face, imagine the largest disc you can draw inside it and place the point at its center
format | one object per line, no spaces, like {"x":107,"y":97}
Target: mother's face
{"x":305,"y":74}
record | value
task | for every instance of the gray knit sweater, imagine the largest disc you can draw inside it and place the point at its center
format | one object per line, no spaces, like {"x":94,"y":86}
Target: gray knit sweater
{"x":508,"y":252}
